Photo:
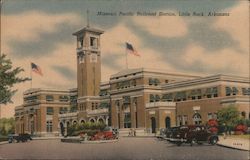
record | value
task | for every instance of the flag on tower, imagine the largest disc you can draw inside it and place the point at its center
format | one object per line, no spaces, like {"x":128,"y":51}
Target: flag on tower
{"x":131,"y":50}
{"x":35,"y":68}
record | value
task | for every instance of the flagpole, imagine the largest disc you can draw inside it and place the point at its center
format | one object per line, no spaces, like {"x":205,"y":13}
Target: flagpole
{"x":126,"y":57}
{"x":31,"y":78}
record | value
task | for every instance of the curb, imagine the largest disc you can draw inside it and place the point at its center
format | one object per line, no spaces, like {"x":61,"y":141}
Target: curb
{"x":4,"y":142}
{"x":227,"y":146}
{"x":76,"y":140}
{"x":235,"y":143}
{"x":98,"y":142}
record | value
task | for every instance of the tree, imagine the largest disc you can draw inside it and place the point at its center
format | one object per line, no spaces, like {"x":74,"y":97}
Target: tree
{"x":8,"y":77}
{"x":7,"y":126}
{"x":229,"y":116}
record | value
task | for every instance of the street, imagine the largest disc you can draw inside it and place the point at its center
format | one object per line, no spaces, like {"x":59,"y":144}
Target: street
{"x":125,"y":148}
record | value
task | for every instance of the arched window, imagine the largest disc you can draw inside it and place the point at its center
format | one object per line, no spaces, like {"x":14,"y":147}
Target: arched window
{"x":197,"y":118}
{"x":243,"y":114}
{"x":82,"y":121}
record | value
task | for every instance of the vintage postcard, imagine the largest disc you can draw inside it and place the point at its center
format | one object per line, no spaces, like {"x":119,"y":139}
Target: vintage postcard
{"x":108,"y":79}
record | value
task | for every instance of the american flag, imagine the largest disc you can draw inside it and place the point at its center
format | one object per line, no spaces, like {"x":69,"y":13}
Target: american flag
{"x":35,"y":68}
{"x":131,"y":50}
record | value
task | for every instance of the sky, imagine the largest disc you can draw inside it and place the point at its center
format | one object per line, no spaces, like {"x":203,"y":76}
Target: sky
{"x":40,"y":31}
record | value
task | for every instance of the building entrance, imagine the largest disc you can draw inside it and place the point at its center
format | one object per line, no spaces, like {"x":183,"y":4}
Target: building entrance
{"x":167,"y":122}
{"x":153,"y":125}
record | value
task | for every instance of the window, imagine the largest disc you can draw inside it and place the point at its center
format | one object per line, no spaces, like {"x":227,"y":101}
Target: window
{"x":151,"y":98}
{"x":150,"y":81}
{"x":215,"y":116}
{"x":49,"y":126}
{"x":157,"y":98}
{"x":185,"y":119}
{"x":93,"y":58}
{"x":80,"y":42}
{"x":197,"y":118}
{"x":63,"y":98}
{"x":117,"y":104}
{"x":180,"y":96}
{"x":93,"y":42}
{"x":49,"y":98}
{"x":126,"y":100}
{"x":133,"y":82}
{"x":31,"y":99}
{"x":81,"y":58}
{"x":166,"y":81}
{"x":153,"y":81}
{"x":50,"y":110}
{"x":243,"y":114}
{"x":93,"y":106}
{"x":246,"y":91}
{"x":209,"y":116}
{"x":179,"y":120}
{"x":167,"y":97}
{"x":228,"y":91}
{"x":63,"y":110}
{"x":235,"y":91}
{"x":127,"y":120}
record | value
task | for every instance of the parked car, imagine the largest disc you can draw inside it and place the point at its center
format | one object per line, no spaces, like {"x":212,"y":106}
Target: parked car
{"x":171,"y":131}
{"x":107,"y":134}
{"x":19,"y":137}
{"x":193,"y":134}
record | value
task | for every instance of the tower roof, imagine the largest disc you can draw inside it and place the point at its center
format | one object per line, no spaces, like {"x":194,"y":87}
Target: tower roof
{"x":88,"y":29}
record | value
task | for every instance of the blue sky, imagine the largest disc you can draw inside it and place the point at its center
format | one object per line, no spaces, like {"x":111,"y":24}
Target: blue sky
{"x":40,"y":31}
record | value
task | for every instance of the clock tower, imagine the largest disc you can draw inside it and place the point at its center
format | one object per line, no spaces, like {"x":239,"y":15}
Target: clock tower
{"x":88,"y":61}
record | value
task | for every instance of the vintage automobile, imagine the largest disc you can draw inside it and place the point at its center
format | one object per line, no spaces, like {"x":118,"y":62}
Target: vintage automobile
{"x":170,"y":132}
{"x":107,"y":134}
{"x":193,"y":134}
{"x":19,"y":137}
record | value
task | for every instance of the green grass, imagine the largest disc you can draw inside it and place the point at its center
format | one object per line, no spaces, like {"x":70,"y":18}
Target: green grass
{"x":244,"y":136}
{"x":3,"y":138}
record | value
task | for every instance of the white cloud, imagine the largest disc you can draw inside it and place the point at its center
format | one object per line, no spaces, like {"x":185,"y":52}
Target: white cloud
{"x":113,"y":43}
{"x":223,"y":60}
{"x":163,"y":26}
{"x":237,"y":24}
{"x":28,"y":25}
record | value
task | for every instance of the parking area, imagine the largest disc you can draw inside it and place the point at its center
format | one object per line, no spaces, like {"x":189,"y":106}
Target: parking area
{"x":125,"y":148}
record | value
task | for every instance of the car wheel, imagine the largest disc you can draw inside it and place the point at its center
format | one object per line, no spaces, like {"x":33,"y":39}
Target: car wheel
{"x":193,"y":141}
{"x":179,"y":143}
{"x":213,"y":140}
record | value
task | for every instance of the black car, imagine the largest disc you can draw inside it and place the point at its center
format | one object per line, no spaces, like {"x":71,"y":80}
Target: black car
{"x":193,"y":134}
{"x":19,"y":138}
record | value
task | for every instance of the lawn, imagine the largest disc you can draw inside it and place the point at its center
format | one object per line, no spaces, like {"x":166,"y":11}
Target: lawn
{"x":244,"y":136}
{"x":3,"y":138}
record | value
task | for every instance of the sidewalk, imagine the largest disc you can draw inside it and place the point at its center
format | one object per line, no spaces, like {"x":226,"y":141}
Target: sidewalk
{"x":233,"y":142}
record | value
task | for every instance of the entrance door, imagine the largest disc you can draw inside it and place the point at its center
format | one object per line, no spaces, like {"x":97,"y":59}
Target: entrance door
{"x":167,"y":122}
{"x":153,"y":125}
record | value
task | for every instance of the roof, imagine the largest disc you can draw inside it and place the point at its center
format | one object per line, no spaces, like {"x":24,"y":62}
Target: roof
{"x":148,"y":70}
{"x":89,"y":29}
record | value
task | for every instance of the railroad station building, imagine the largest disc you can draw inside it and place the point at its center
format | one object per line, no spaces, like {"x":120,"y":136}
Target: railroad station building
{"x":139,"y":98}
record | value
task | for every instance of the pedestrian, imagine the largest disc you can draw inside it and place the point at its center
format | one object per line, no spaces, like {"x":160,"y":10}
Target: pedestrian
{"x":225,"y":130}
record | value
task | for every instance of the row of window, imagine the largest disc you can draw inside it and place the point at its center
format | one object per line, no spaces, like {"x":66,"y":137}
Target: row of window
{"x":50,"y":98}
{"x":184,"y":95}
{"x":93,"y":42}
{"x":196,"y":118}
{"x":93,"y":58}
{"x":126,"y":84}
{"x":235,"y":91}
{"x":104,"y":92}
